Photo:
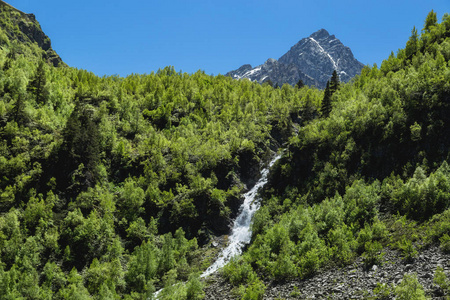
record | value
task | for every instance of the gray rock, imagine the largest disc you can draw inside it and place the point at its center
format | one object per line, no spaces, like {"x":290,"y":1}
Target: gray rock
{"x":351,"y":282}
{"x":320,"y":54}
{"x":312,"y":60}
{"x":274,"y":71}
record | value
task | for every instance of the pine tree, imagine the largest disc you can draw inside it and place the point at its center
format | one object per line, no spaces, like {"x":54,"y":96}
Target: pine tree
{"x":37,"y":84}
{"x":412,"y":44}
{"x":269,"y":82}
{"x":334,"y":83}
{"x":81,"y":146}
{"x":430,"y":21}
{"x":300,"y":84}
{"x":326,"y":102}
{"x":18,"y":113}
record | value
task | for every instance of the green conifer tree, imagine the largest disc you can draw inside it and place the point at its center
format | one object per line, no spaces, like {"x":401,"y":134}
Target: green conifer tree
{"x":412,"y":44}
{"x":269,"y":82}
{"x":18,"y":113}
{"x":37,"y":84}
{"x":430,"y":21}
{"x":326,"y":102}
{"x":334,"y":83}
{"x":80,"y":151}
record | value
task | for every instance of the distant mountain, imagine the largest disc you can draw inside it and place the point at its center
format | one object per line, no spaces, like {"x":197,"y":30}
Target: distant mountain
{"x":29,"y":31}
{"x":274,"y":71}
{"x":312,"y":59}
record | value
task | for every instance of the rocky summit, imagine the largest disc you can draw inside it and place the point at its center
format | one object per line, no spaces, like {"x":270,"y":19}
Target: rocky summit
{"x":312,"y":59}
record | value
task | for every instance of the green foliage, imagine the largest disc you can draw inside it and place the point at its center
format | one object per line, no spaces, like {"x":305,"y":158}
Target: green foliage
{"x":380,"y":147}
{"x":430,"y":21}
{"x":334,"y":82}
{"x":194,"y":288}
{"x":254,"y":291}
{"x":109,"y":185}
{"x":383,"y":291}
{"x":360,"y":201}
{"x":36,"y":86}
{"x":326,"y":101}
{"x":445,"y":243}
{"x":238,"y":271}
{"x":421,"y":196}
{"x":440,"y":278}
{"x":373,"y":253}
{"x":332,"y":86}
{"x":409,"y":288}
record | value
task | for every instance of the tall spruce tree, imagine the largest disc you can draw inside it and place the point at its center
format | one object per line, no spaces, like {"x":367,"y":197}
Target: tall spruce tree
{"x":412,"y":44}
{"x":326,"y":101}
{"x":37,"y":84}
{"x":334,"y":83}
{"x":300,"y":84}
{"x":18,"y":113}
{"x":81,"y":146}
{"x":269,"y":82}
{"x":430,"y":21}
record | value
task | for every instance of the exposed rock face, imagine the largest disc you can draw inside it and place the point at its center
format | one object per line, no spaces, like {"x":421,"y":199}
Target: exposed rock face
{"x":312,"y":60}
{"x":320,"y":54}
{"x":274,"y":71}
{"x":30,"y":31}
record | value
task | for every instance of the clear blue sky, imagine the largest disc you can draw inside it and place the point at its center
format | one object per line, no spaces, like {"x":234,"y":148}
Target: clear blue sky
{"x":124,"y":37}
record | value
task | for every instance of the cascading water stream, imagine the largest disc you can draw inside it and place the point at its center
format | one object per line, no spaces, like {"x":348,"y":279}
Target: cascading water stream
{"x":241,"y":234}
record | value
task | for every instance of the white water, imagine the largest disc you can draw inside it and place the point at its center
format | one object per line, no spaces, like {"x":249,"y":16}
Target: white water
{"x":241,"y":234}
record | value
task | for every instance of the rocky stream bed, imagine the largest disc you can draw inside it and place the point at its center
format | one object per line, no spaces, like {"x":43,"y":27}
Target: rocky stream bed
{"x":354,"y":281}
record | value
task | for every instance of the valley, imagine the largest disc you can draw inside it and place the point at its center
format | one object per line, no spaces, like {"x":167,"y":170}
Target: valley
{"x":115,"y":187}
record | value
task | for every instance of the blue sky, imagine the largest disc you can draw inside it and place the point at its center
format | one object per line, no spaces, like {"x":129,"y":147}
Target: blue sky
{"x":124,"y":37}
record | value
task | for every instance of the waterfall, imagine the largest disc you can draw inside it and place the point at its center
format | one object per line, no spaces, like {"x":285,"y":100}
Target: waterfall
{"x":241,"y":234}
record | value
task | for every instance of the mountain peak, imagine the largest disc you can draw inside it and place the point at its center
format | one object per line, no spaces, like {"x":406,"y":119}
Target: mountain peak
{"x":313,"y":59}
{"x":320,"y":34}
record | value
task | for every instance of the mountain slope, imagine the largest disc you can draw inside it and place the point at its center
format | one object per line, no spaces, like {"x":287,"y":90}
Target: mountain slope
{"x":113,"y":187}
{"x":312,"y":60}
{"x":21,"y":28}
{"x":371,"y":177}
{"x":320,"y":54}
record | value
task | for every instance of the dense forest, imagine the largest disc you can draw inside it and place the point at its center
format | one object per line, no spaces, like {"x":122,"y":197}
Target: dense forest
{"x":111,"y":187}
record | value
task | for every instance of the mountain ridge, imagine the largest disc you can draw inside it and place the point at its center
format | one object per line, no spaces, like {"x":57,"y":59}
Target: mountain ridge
{"x":7,"y":4}
{"x":30,"y":31}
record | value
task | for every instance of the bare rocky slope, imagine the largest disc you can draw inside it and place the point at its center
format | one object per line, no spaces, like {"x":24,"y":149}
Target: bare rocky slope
{"x":354,"y":281}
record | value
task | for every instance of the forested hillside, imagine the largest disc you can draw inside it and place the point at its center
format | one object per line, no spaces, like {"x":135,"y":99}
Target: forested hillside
{"x":370,"y":173}
{"x":113,"y":187}
{"x":109,"y":185}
